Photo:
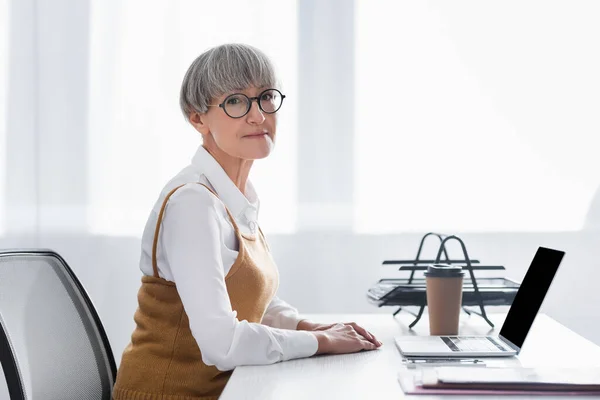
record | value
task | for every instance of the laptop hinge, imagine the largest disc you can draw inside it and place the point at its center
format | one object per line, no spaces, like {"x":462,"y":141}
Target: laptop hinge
{"x":511,"y":344}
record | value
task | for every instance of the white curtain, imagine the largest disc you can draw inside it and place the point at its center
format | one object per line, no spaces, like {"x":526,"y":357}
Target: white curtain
{"x":476,"y":116}
{"x":468,"y":116}
{"x":138,"y":138}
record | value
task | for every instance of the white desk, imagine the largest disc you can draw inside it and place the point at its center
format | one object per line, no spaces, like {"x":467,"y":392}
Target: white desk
{"x":373,"y":374}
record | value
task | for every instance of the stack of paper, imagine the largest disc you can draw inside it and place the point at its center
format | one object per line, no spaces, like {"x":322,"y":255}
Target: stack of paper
{"x":467,"y":380}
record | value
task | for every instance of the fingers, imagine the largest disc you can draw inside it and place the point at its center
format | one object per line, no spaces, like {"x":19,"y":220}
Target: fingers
{"x":342,"y":339}
{"x":367,"y":345}
{"x":367,"y":335}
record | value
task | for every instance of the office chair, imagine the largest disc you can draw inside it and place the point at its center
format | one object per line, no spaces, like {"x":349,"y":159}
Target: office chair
{"x":52,"y":343}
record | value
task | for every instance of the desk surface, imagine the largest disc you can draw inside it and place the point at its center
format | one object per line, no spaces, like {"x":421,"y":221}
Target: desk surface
{"x":373,"y":374}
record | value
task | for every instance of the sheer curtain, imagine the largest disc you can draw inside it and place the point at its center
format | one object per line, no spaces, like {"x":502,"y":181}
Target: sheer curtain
{"x":467,"y":115}
{"x":4,"y":32}
{"x":138,"y":138}
{"x":478,"y":116}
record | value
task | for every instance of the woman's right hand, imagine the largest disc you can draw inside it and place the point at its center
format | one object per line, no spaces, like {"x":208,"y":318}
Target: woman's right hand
{"x":341,"y":339}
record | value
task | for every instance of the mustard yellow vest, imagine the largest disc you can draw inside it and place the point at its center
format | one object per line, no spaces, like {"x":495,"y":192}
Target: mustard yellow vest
{"x":163,"y":361}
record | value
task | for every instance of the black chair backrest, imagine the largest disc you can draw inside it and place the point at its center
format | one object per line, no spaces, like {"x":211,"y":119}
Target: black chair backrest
{"x":52,"y":343}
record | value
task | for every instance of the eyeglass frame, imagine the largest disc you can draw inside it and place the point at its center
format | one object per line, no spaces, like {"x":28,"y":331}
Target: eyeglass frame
{"x":250,"y":100}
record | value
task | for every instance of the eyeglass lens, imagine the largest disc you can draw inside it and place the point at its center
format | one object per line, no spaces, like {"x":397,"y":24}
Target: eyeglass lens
{"x":237,"y":105}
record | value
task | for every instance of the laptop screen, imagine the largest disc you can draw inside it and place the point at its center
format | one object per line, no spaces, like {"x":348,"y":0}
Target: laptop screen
{"x":530,"y":296}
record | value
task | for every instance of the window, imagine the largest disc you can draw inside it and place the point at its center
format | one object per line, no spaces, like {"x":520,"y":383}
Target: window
{"x":138,"y":138}
{"x":469,"y":119}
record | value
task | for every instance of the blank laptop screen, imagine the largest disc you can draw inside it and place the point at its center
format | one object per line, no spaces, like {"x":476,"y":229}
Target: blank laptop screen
{"x":530,"y":296}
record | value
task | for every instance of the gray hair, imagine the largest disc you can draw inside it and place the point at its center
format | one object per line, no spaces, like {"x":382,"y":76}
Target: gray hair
{"x":223,"y":69}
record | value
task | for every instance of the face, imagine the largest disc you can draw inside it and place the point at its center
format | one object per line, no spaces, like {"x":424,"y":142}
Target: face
{"x":250,"y":137}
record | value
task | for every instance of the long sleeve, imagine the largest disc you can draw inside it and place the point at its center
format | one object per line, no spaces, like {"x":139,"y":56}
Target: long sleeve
{"x":192,"y":243}
{"x":281,"y":315}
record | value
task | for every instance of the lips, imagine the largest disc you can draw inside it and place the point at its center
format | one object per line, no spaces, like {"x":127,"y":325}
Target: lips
{"x":255,"y":134}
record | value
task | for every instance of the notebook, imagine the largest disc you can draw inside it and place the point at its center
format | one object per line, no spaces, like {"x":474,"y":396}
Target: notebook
{"x":543,"y":378}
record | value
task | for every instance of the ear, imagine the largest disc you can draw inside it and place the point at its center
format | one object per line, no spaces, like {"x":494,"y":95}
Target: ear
{"x":200,"y":122}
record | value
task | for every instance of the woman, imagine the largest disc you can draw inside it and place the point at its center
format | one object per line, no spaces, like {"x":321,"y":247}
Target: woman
{"x":207,"y":302}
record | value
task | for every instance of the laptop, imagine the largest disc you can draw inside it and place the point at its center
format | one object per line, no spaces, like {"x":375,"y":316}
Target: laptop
{"x":517,"y":324}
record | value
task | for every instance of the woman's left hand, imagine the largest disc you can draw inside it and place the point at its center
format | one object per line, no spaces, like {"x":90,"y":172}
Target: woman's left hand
{"x":306,"y":325}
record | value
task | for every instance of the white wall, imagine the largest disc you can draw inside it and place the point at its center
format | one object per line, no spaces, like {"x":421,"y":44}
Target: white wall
{"x":330,"y":272}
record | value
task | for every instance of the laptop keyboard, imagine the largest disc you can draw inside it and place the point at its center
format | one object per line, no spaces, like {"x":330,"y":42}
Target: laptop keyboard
{"x":472,"y":343}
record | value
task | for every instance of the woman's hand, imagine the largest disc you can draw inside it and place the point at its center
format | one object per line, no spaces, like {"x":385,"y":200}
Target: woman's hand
{"x":341,"y":338}
{"x":306,"y":325}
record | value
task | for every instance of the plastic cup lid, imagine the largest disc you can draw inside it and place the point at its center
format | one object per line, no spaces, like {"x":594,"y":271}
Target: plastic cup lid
{"x":444,"y":270}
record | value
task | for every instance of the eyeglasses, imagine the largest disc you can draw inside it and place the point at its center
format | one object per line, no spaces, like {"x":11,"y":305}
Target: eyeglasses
{"x":238,"y":104}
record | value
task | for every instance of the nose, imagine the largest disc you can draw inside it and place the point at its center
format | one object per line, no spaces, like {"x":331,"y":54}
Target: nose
{"x":255,"y":115}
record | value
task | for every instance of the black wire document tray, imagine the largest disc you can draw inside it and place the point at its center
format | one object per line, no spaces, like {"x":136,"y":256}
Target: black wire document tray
{"x":410,"y":291}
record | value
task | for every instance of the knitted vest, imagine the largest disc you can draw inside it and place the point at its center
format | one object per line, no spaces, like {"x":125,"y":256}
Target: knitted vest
{"x":163,"y":361}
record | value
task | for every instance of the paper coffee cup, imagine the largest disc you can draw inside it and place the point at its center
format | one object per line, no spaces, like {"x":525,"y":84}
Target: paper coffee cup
{"x":444,"y":298}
